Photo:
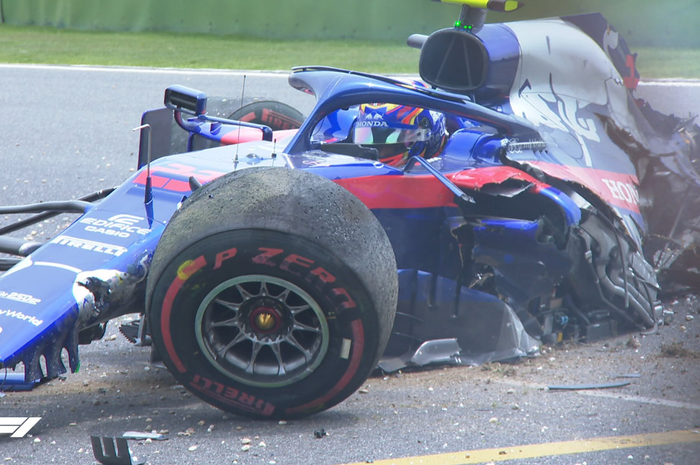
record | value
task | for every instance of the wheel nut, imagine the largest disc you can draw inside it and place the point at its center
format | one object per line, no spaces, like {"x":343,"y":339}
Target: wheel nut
{"x":264,"y":321}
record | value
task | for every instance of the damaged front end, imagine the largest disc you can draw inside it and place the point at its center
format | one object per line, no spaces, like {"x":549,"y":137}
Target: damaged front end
{"x":57,"y":295}
{"x":71,"y":308}
{"x":102,"y":294}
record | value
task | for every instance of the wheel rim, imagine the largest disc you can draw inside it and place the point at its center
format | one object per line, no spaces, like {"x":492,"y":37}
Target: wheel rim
{"x":262,"y":331}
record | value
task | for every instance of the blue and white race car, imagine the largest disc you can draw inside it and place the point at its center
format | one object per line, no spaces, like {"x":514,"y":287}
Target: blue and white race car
{"x":519,"y":194}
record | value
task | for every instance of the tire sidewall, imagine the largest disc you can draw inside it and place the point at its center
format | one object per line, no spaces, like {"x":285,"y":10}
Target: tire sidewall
{"x":277,"y":115}
{"x":193,"y":273}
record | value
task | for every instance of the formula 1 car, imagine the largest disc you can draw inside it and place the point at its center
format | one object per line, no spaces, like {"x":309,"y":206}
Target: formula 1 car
{"x":275,"y":260}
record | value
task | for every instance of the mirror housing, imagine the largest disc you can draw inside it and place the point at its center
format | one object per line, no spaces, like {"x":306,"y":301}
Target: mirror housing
{"x":186,"y":100}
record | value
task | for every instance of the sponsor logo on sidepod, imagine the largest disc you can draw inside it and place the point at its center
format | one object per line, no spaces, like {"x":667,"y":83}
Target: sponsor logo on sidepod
{"x":622,"y":190}
{"x":17,"y":297}
{"x":89,"y":245}
{"x":118,"y":225}
{"x":21,"y":316}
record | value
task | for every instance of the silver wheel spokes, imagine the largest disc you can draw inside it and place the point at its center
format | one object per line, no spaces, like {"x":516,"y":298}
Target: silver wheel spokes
{"x":261,"y":330}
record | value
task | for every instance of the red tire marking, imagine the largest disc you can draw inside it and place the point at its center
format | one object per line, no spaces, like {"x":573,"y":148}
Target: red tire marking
{"x":225,"y":255}
{"x":170,"y":295}
{"x":264,"y":258}
{"x":349,"y":303}
{"x":324,"y":276}
{"x":231,"y":396}
{"x":273,"y":118}
{"x":293,"y":259}
{"x":358,"y":339}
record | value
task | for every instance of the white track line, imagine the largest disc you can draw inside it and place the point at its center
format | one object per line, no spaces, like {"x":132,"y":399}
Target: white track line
{"x":606,"y":394}
{"x":642,"y":400}
{"x":137,"y":70}
{"x":670,"y":83}
{"x":278,"y":73}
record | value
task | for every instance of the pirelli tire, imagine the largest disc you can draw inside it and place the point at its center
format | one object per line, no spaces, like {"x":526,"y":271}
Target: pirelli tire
{"x":277,"y":115}
{"x":272,"y":293}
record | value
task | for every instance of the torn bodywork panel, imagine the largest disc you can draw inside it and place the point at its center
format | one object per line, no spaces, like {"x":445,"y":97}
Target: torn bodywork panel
{"x":650,"y":158}
{"x":440,"y":322}
{"x":99,"y":293}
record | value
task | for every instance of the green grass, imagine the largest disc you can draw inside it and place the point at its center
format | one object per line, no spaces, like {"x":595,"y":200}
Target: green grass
{"x":59,"y":46}
{"x":655,"y":63}
{"x":168,"y":50}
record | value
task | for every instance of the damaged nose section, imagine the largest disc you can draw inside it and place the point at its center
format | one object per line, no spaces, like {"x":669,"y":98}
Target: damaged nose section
{"x":103,"y":292}
{"x":38,"y":325}
{"x":36,"y":329}
{"x":44,"y":343}
{"x":51,"y":349}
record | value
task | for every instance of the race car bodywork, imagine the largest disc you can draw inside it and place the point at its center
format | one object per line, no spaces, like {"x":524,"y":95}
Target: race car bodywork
{"x":274,"y":261}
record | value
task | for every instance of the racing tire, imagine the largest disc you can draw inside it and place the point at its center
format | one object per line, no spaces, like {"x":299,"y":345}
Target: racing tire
{"x":272,"y":293}
{"x":277,"y":115}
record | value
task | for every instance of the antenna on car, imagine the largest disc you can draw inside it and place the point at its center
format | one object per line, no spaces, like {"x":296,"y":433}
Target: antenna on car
{"x":235,"y":161}
{"x":148,"y":193}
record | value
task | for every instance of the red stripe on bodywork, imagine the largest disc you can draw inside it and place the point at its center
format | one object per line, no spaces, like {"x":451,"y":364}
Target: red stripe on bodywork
{"x":618,"y":189}
{"x":161,"y":182}
{"x":241,"y":134}
{"x":173,"y":290}
{"x":426,"y":191}
{"x":412,"y":191}
{"x":479,"y":177}
{"x":156,"y":181}
{"x":251,"y":134}
{"x":172,"y":169}
{"x":358,"y":343}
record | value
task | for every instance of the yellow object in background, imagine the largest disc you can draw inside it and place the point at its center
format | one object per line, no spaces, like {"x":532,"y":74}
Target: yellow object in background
{"x":495,"y":5}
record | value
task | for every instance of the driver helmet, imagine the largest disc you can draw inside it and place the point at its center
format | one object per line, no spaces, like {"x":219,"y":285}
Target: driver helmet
{"x":399,"y":132}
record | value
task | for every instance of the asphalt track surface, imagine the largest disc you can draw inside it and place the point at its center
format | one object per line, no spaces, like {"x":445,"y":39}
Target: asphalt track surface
{"x":67,"y":132}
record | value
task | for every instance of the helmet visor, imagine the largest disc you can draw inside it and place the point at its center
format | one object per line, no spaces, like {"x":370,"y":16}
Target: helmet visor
{"x":384,"y":135}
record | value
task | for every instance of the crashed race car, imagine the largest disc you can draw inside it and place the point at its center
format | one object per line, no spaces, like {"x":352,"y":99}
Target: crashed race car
{"x":518,"y":194}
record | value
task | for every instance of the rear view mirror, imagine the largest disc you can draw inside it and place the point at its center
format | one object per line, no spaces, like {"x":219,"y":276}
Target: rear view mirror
{"x":186,"y":100}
